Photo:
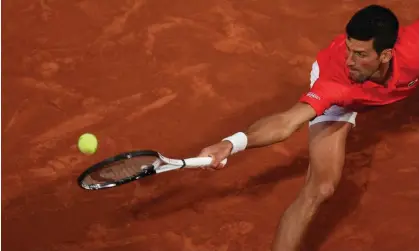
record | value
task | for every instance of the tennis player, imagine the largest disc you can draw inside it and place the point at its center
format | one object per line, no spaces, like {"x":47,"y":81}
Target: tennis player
{"x":376,"y":62}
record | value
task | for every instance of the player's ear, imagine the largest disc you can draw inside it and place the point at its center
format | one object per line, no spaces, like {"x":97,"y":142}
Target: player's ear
{"x":386,"y":55}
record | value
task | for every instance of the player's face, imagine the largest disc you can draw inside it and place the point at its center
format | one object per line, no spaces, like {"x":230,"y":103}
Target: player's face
{"x":362,"y":60}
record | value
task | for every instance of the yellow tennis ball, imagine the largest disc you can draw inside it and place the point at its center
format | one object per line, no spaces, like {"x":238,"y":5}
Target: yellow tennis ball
{"x":87,"y":143}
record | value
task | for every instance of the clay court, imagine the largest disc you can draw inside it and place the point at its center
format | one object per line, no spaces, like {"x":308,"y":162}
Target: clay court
{"x":176,"y":76}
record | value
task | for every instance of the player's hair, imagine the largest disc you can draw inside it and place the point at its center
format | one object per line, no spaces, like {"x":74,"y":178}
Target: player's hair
{"x":374,"y":22}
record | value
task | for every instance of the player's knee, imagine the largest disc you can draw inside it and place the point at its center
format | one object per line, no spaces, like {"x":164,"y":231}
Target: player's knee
{"x":326,"y":190}
{"x":319,"y":192}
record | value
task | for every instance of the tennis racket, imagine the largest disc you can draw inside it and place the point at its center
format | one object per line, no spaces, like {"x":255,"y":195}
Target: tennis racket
{"x":129,"y":166}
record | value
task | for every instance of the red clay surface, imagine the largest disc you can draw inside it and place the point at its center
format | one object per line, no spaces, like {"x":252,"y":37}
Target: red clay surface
{"x":177,"y":76}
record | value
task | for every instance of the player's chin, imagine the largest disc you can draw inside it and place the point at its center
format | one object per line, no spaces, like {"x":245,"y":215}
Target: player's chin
{"x":358,"y":78}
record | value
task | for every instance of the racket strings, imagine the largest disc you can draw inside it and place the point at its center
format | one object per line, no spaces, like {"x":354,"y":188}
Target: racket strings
{"x":121,"y":170}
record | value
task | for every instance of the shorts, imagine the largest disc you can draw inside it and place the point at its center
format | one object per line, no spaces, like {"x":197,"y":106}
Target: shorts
{"x":333,"y":113}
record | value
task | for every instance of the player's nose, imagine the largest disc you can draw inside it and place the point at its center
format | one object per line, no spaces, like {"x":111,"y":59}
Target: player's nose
{"x":349,"y":61}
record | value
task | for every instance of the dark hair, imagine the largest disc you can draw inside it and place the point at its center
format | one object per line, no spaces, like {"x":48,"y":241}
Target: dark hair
{"x":374,"y":22}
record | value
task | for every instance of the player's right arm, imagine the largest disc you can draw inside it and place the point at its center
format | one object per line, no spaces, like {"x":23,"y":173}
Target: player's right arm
{"x":263,"y":132}
{"x":279,"y":126}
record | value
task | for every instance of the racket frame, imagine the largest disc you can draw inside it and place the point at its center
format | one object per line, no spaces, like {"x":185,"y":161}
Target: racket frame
{"x":170,"y":164}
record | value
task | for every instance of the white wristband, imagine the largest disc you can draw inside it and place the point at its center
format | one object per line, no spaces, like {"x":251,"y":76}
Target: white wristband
{"x":239,"y":142}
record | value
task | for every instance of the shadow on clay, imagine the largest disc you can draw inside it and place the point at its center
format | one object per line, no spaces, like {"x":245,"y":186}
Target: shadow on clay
{"x":361,"y":143}
{"x":360,"y":149}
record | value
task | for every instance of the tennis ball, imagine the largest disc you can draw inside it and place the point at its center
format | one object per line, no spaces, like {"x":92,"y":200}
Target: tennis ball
{"x":87,"y":143}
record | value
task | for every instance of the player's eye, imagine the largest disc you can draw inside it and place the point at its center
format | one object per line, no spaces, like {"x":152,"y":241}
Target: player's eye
{"x":360,"y":54}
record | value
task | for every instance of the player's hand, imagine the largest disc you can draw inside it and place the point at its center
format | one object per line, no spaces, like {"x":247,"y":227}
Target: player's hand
{"x":218,"y":152}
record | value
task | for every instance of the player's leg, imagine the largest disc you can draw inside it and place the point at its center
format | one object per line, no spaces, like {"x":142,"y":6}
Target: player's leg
{"x":327,"y":155}
{"x":327,"y":143}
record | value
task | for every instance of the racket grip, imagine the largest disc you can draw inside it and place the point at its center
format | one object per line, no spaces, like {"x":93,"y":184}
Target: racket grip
{"x":201,"y":161}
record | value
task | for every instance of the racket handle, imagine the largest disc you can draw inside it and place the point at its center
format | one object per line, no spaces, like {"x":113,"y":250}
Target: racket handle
{"x":201,"y":161}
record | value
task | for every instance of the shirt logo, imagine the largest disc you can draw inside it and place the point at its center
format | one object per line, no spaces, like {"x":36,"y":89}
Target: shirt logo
{"x":412,"y":83}
{"x":313,"y":95}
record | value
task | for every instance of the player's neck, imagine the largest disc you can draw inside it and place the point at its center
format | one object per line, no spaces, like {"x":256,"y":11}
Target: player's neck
{"x":383,"y":74}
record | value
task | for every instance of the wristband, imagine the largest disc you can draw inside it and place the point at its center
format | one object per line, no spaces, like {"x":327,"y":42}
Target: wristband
{"x":239,"y":142}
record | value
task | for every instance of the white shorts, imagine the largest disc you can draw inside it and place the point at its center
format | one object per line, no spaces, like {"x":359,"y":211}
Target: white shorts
{"x":333,"y":113}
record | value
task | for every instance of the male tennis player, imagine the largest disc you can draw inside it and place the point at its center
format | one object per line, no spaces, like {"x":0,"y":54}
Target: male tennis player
{"x":375,"y":63}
